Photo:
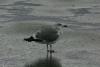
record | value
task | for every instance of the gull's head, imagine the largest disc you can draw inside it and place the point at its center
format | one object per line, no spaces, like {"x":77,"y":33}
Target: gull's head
{"x":60,"y":26}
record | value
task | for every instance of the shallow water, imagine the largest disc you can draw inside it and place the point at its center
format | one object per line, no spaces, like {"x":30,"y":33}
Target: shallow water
{"x":77,"y":46}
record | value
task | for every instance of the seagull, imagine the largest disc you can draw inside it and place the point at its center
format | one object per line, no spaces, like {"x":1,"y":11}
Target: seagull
{"x":47,"y":35}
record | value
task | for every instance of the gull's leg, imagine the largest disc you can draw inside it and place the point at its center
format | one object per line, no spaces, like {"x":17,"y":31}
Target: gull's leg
{"x":47,"y":51}
{"x":50,"y":51}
